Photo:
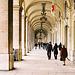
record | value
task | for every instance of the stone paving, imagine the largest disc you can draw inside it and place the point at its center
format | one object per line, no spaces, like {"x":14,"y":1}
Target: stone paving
{"x":37,"y":63}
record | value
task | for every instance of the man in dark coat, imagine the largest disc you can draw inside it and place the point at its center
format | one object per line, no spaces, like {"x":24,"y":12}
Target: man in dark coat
{"x":60,"y":46}
{"x":55,"y":50}
{"x":43,"y":45}
{"x":39,"y":45}
{"x":49,"y":48}
{"x":35,"y":45}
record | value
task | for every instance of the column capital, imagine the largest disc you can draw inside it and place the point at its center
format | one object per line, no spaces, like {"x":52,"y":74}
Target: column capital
{"x":17,"y":7}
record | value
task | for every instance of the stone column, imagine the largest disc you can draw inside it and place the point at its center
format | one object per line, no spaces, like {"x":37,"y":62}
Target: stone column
{"x":25,"y":36}
{"x":23,"y":51}
{"x":74,"y":40}
{"x":71,"y":35}
{"x":28,"y":37}
{"x":63,"y":30}
{"x":6,"y":35}
{"x":53,"y":37}
{"x":33,"y":39}
{"x":17,"y":30}
{"x":66,"y":38}
{"x":72,"y":18}
{"x":58,"y":32}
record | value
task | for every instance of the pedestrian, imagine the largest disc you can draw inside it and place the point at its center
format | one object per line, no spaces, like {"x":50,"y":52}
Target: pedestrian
{"x":63,"y":54}
{"x":14,"y":52}
{"x":55,"y":51}
{"x":49,"y":48}
{"x":60,"y":46}
{"x":35,"y":45}
{"x":43,"y":45}
{"x":39,"y":45}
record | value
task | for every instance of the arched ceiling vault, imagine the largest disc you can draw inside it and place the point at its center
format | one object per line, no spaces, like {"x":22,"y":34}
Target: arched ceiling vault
{"x":39,"y":10}
{"x":37,"y":24}
{"x":51,"y":20}
{"x":42,"y":1}
{"x":42,"y":34}
{"x":33,"y":9}
{"x":42,"y":25}
{"x":38,"y":31}
{"x":46,"y":27}
{"x":38,"y":21}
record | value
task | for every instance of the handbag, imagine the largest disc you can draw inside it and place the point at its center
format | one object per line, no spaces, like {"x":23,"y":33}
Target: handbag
{"x":61,"y":59}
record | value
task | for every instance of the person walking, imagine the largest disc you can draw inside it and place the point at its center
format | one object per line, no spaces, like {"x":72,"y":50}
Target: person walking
{"x":35,"y":45}
{"x":49,"y":48}
{"x":60,"y":46}
{"x":63,"y":54}
{"x":14,"y":52}
{"x":39,"y":45}
{"x":55,"y":51}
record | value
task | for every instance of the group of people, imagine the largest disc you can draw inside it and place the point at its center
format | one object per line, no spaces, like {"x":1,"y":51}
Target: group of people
{"x":40,"y":44}
{"x":63,"y":51}
{"x":50,"y":48}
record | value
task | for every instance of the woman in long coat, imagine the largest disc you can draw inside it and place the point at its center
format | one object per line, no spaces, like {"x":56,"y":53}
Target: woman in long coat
{"x":63,"y":54}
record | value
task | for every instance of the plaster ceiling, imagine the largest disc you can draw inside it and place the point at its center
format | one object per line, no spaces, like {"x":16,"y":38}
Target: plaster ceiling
{"x":33,"y":9}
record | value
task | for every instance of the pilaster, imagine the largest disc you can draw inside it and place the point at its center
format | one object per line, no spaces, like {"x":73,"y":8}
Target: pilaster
{"x":58,"y":32}
{"x":71,"y":35}
{"x":23,"y":50}
{"x":6,"y":33}
{"x":17,"y":18}
{"x":25,"y":36}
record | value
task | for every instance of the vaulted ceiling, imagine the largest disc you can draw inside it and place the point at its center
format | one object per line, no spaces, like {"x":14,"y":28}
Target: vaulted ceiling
{"x":33,"y":9}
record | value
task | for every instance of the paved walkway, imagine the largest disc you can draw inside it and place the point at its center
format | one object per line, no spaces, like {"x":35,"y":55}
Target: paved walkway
{"x":36,"y":63}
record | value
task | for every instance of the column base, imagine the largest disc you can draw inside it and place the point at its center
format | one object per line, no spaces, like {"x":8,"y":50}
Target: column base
{"x":27,"y":50}
{"x":20,"y":54}
{"x":73,"y":55}
{"x":11,"y":62}
{"x":30,"y":48}
{"x":6,"y":63}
